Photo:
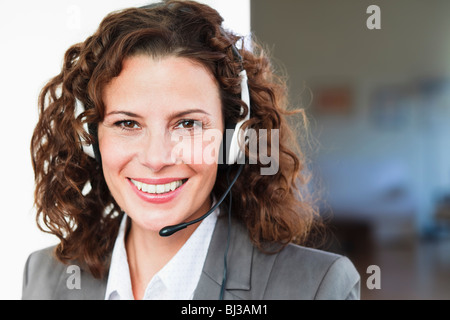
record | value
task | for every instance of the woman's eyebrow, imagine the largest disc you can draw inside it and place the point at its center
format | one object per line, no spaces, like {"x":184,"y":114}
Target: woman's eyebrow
{"x":126,"y":113}
{"x":171,"y":115}
{"x":188,"y":111}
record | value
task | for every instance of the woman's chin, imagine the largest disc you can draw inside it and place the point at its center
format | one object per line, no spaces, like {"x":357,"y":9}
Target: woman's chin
{"x":151,"y":223}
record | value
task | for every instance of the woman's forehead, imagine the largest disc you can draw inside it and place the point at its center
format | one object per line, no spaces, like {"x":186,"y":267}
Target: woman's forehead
{"x":171,"y":84}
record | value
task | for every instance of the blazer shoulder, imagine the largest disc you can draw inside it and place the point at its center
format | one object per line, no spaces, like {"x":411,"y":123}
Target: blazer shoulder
{"x":316,"y":274}
{"x":46,"y":278}
{"x":41,"y":275}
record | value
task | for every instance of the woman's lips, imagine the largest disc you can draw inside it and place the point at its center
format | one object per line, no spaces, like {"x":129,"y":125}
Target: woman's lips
{"x":157,"y":181}
{"x":157,"y":190}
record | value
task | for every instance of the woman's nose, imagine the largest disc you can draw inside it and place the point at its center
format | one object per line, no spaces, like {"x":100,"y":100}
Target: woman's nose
{"x":156,"y":151}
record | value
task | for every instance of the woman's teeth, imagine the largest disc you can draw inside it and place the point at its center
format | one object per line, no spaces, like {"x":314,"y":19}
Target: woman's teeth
{"x":157,"y":188}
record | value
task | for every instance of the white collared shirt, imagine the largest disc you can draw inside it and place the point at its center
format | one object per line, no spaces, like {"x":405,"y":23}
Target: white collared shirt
{"x":177,"y":280}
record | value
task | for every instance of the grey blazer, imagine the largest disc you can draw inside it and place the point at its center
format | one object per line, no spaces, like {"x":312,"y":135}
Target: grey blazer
{"x":294,"y":273}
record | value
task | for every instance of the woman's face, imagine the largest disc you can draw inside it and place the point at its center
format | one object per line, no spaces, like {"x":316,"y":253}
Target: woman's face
{"x":153,"y":139}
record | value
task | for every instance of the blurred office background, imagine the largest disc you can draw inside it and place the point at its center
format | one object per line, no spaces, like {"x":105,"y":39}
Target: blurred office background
{"x":380,"y":112}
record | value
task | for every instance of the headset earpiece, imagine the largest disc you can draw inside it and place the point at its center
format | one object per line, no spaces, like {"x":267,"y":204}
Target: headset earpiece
{"x":87,"y":147}
{"x":92,"y":150}
{"x":230,"y":152}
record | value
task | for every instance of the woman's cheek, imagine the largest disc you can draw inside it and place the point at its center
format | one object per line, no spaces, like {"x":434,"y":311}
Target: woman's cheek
{"x":114,"y":152}
{"x":199,"y":149}
{"x":212,"y":141}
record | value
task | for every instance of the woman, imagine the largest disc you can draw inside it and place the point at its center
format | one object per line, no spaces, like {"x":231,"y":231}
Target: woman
{"x":156,"y":85}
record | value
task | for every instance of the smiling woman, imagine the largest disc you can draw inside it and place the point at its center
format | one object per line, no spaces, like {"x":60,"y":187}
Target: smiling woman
{"x":157,"y":84}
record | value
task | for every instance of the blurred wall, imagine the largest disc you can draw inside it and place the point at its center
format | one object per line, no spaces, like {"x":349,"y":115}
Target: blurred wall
{"x":386,"y":153}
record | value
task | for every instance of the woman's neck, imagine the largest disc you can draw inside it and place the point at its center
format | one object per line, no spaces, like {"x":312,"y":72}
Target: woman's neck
{"x":148,"y":253}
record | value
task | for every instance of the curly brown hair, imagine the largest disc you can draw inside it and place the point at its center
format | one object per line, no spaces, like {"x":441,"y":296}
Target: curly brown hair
{"x":86,"y":223}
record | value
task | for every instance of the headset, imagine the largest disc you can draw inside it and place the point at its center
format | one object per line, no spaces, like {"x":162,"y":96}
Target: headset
{"x":230,"y":153}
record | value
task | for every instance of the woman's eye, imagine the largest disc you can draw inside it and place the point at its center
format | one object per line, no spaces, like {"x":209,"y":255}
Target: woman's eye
{"x":127,"y":124}
{"x":189,"y":124}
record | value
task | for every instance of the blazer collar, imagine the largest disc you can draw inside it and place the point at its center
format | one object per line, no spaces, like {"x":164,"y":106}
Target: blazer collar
{"x":240,"y":255}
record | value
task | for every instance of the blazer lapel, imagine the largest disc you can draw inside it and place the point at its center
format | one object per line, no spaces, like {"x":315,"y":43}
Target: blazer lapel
{"x":239,"y":263}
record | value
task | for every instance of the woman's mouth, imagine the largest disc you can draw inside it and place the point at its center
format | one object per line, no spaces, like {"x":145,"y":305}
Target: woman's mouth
{"x":160,"y":188}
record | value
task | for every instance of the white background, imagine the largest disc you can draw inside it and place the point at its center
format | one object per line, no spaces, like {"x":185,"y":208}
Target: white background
{"x":33,"y":37}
